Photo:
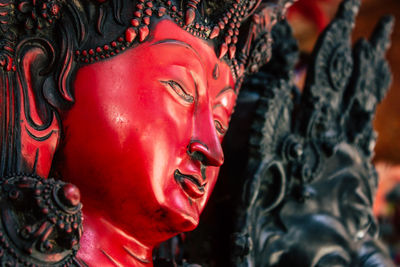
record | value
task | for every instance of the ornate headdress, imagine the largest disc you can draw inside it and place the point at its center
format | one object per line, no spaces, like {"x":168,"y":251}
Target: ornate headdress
{"x":217,"y":21}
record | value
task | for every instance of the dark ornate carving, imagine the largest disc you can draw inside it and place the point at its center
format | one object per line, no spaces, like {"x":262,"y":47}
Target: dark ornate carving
{"x":41,"y":222}
{"x":308,"y":197}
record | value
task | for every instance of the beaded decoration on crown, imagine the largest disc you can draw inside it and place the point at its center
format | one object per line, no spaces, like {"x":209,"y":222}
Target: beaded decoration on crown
{"x":218,"y":21}
{"x":210,"y":20}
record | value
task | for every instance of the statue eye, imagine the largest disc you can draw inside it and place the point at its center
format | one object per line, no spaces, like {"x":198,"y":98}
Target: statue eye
{"x":177,"y":88}
{"x":221,"y":129}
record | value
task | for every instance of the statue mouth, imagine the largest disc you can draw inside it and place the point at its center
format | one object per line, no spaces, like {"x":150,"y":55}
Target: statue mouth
{"x":190,"y":185}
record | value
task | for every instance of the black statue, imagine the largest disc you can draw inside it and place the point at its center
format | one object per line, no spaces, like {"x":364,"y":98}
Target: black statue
{"x":299,"y":181}
{"x":309,"y":199}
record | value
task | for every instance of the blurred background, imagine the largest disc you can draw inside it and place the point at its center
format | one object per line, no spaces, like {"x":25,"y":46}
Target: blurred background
{"x":308,"y":18}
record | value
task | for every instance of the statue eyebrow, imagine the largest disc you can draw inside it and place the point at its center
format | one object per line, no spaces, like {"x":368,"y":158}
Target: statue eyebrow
{"x":177,"y":42}
{"x":196,"y":86}
{"x":225,"y":89}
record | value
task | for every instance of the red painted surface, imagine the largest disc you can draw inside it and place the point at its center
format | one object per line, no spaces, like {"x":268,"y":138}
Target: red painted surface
{"x":142,"y":143}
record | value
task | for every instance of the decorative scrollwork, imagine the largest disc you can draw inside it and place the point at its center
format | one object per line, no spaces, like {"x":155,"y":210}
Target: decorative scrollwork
{"x":41,"y":221}
{"x":340,"y":66}
{"x":39,"y":14}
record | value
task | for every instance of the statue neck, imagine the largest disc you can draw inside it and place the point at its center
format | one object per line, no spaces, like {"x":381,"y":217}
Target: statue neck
{"x":102,"y":244}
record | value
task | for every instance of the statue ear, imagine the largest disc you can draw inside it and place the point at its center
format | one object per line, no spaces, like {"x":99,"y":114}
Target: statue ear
{"x":272,"y":185}
{"x":39,"y":126}
{"x":268,"y":188}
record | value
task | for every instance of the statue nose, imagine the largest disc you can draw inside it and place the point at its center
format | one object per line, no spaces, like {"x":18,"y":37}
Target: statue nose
{"x":210,"y":155}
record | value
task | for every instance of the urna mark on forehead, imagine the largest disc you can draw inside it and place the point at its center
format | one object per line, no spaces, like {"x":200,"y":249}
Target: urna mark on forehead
{"x":168,"y":33}
{"x":219,"y":79}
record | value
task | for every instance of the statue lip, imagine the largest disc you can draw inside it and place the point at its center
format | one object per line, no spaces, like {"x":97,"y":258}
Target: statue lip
{"x":190,"y":184}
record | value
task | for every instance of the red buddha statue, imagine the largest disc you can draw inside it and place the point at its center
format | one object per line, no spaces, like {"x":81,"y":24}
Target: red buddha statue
{"x":127,"y":100}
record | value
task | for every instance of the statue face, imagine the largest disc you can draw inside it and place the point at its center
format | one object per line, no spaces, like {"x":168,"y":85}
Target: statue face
{"x":142,"y":141}
{"x":338,"y":208}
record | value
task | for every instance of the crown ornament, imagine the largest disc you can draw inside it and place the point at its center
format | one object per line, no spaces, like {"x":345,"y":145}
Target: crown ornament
{"x":217,"y":21}
{"x":49,"y":236}
{"x":20,"y":17}
{"x":220,"y":23}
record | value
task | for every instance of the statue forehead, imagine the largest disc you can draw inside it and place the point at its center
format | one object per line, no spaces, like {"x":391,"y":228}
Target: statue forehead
{"x":170,"y":45}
